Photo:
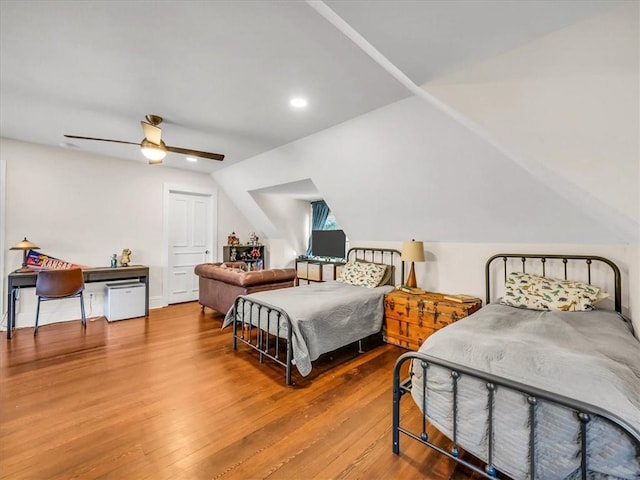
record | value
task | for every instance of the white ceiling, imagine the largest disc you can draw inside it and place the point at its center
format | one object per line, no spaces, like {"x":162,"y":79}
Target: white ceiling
{"x":221,"y":73}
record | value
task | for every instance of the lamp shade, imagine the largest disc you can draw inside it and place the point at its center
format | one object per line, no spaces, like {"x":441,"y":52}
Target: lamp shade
{"x":24,"y":245}
{"x":412,"y":251}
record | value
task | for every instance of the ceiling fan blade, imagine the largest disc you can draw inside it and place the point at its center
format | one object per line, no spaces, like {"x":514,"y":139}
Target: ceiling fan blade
{"x":151,"y":132}
{"x":196,"y":153}
{"x":102,"y":139}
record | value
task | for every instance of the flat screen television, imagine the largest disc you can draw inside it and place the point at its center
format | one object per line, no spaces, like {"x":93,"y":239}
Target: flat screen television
{"x":328,"y":243}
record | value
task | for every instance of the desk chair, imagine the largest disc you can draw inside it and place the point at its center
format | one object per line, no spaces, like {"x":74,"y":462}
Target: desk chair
{"x":57,"y":284}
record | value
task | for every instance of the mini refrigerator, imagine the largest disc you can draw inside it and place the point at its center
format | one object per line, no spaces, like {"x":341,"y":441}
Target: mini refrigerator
{"x":124,"y":300}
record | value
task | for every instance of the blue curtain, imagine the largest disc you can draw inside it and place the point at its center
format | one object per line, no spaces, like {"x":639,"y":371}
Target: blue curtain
{"x":319,"y":214}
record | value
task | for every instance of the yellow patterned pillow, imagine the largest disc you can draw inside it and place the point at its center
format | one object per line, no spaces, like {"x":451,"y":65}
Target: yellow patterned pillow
{"x":543,"y":293}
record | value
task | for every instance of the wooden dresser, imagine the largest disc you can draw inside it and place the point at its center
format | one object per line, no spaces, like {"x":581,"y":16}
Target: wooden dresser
{"x":411,"y":318}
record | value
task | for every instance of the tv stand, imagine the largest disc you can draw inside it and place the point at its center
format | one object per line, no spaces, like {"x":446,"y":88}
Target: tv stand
{"x":309,"y":269}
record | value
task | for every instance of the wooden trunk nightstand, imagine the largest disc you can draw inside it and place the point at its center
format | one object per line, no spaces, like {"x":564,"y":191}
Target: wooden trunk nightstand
{"x":411,"y":318}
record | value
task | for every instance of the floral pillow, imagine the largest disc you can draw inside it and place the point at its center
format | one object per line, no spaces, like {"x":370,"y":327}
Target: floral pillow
{"x":362,"y":274}
{"x":544,"y":293}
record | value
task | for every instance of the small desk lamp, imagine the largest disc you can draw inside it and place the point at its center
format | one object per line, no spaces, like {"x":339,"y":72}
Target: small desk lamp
{"x":412,"y":252}
{"x":25,"y":245}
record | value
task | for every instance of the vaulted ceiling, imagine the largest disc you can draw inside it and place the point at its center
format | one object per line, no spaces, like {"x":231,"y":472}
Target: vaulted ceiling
{"x":221,"y":73}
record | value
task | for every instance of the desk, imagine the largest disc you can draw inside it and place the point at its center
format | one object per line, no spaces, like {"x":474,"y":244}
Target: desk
{"x":18,"y":280}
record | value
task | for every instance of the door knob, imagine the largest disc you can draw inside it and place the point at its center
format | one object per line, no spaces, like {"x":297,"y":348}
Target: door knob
{"x":206,"y":252}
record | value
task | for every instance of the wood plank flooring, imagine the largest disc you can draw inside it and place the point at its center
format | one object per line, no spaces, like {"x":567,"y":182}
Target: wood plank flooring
{"x":167,"y":398}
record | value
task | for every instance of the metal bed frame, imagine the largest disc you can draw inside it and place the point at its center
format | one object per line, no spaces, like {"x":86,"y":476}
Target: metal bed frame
{"x":277,"y":346}
{"x":584,"y":413}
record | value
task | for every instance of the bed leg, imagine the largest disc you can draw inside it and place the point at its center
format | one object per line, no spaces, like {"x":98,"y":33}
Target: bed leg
{"x":396,"y":410}
{"x":234,"y":340}
{"x":360,"y":350}
{"x":289,"y":357}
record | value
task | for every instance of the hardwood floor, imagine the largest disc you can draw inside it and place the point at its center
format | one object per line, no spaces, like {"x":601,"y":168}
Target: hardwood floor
{"x":167,"y":398}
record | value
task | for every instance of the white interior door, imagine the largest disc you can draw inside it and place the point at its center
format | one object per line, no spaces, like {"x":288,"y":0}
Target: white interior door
{"x":190,"y":227}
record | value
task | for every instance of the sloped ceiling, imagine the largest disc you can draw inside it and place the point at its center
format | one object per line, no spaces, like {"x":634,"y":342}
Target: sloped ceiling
{"x":418,"y":168}
{"x":221,"y":74}
{"x":567,"y":104}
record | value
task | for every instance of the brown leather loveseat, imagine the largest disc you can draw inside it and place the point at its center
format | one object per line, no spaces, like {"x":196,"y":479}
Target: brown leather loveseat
{"x":221,"y":283}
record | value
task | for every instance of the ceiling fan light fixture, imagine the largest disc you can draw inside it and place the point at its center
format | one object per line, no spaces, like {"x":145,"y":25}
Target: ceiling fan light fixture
{"x":154,"y":153}
{"x":152,"y":146}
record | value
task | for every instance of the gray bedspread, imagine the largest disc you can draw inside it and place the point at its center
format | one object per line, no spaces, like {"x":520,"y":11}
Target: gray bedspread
{"x":325,"y":316}
{"x":589,"y":356}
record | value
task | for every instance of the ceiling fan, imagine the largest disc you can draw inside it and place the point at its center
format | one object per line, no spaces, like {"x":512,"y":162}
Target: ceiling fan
{"x":152,"y":146}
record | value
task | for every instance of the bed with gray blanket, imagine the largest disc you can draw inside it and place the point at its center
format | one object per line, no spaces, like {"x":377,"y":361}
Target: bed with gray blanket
{"x":573,"y":376}
{"x":294,"y":326}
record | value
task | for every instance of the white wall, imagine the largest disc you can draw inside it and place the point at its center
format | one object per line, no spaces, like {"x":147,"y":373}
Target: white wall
{"x":413,"y":169}
{"x":82,"y":208}
{"x":290,"y":216}
{"x":230,"y":219}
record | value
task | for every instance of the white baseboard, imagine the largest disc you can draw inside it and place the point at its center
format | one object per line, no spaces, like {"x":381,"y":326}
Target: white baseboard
{"x":64,"y":310}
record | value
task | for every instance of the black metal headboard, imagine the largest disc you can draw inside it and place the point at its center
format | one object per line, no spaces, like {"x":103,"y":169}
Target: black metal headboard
{"x":542,"y":258}
{"x":387,"y":256}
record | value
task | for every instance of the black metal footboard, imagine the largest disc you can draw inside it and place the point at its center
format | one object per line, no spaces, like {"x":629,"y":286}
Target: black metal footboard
{"x":584,"y":413}
{"x":260,"y":326}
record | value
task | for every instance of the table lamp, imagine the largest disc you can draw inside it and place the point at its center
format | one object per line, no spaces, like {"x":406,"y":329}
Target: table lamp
{"x":412,"y":252}
{"x":25,"y":245}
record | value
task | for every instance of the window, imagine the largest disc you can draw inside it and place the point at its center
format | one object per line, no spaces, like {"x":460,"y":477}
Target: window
{"x":330,"y":223}
{"x":321,"y":219}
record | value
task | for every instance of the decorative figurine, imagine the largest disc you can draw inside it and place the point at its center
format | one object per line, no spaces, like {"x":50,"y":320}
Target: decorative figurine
{"x":233,"y":256}
{"x":233,"y":240}
{"x":126,"y":257}
{"x":114,"y":261}
{"x":255,"y":253}
{"x":253,"y":238}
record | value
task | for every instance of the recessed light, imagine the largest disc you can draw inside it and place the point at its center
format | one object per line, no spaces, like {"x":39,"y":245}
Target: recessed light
{"x":192,"y":159}
{"x":298,"y":102}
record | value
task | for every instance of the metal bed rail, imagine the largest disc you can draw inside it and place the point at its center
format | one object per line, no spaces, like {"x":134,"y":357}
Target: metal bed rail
{"x":584,"y":413}
{"x":260,"y":326}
